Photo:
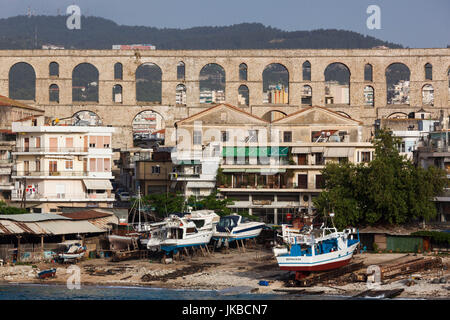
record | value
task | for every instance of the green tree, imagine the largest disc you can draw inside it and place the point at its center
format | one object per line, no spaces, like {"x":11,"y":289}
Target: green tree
{"x":212,"y":202}
{"x":389,"y":190}
{"x":164,"y":203}
{"x":5,"y":209}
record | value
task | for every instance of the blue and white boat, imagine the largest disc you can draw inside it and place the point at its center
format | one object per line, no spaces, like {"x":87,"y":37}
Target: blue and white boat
{"x":189,"y":230}
{"x":318,"y":250}
{"x":235,"y":227}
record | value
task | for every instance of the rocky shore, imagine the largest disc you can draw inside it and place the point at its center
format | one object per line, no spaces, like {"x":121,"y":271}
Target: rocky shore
{"x":225,"y":271}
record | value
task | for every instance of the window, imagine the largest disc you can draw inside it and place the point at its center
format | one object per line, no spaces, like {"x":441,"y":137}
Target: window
{"x":106,"y":142}
{"x":368,"y":72}
{"x":156,"y":169}
{"x":107,"y":164}
{"x":320,"y":183}
{"x":92,"y":141}
{"x":26,"y":166}
{"x":319,"y":158}
{"x":302,"y":159}
{"x":225,"y":136}
{"x":306,"y":71}
{"x":53,"y":93}
{"x":197,"y":137}
{"x":38,"y":166}
{"x":69,"y":164}
{"x":53,"y":69}
{"x":118,"y":71}
{"x":302,"y":181}
{"x":117,"y":93}
{"x":428,"y":71}
{"x":52,"y":166}
{"x":181,"y":70}
{"x":401,"y":147}
{"x":365,"y":156}
{"x":69,"y":143}
{"x":243,"y":72}
{"x":287,"y":136}
{"x":38,"y":142}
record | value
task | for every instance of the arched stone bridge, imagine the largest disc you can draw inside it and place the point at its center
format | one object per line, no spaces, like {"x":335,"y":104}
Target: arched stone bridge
{"x":122,"y":114}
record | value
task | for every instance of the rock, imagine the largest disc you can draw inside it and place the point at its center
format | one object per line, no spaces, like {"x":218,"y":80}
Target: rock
{"x":443,"y":280}
{"x":435,"y":281}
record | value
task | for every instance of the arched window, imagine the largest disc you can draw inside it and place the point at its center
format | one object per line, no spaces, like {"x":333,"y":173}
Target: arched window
{"x":181,"y":70}
{"x":368,"y":72}
{"x":53,"y":93}
{"x":86,"y":118}
{"x":306,"y":71}
{"x":85,"y":83}
{"x":307,"y":95}
{"x":212,"y":84}
{"x":53,"y":69}
{"x":276,"y":84}
{"x":243,"y":95}
{"x":428,"y":71}
{"x":117,"y":93}
{"x":22,"y":82}
{"x":369,"y":96}
{"x":397,"y":84}
{"x":273,"y":115}
{"x":118,"y":71}
{"x":148,"y":128}
{"x":428,"y":95}
{"x":337,"y":84}
{"x":149,"y":83}
{"x":181,"y":94}
{"x":243,"y":72}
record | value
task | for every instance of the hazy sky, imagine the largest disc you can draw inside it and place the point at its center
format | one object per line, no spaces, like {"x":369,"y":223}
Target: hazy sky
{"x":412,"y":23}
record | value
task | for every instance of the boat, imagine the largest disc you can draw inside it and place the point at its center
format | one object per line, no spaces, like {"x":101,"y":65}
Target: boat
{"x":152,"y":239}
{"x":318,"y":250}
{"x":188,"y":230}
{"x":49,"y":273}
{"x":75,"y":251}
{"x":128,"y":239}
{"x":235,"y":227}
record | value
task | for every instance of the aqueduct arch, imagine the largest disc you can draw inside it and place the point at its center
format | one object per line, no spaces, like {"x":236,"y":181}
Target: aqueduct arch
{"x":121,"y":114}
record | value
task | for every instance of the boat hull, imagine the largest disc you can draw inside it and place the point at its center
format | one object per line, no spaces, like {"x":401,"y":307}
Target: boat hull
{"x":239,"y":233}
{"x":169,"y":245}
{"x":321,"y":262}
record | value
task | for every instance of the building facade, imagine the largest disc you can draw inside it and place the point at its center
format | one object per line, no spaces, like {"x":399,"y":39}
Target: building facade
{"x":57,"y":164}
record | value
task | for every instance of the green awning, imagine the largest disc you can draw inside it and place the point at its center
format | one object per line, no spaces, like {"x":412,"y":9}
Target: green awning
{"x":233,"y":170}
{"x":255,"y":151}
{"x":189,"y":162}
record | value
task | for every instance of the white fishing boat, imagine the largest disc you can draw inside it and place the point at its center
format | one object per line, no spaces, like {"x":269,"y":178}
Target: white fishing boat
{"x":75,"y":251}
{"x":187,"y":230}
{"x":318,"y":250}
{"x":235,"y":227}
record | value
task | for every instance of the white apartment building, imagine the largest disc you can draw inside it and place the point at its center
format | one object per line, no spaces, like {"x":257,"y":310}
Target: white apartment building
{"x":61,"y":165}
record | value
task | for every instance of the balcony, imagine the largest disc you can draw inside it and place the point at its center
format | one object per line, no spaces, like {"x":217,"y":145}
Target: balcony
{"x":70,"y":150}
{"x":61,"y":197}
{"x":50,"y":173}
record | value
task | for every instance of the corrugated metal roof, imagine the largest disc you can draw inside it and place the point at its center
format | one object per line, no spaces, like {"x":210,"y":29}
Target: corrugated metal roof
{"x":66,"y":227}
{"x":32,"y":217}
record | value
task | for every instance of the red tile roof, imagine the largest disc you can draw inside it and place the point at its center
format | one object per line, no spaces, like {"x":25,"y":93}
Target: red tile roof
{"x":86,"y":214}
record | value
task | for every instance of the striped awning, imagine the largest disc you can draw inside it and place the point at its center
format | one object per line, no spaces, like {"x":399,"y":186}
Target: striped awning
{"x":301,"y":150}
{"x":338,"y":152}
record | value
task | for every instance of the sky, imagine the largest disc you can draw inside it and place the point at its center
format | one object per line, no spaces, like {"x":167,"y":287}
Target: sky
{"x":411,"y":23}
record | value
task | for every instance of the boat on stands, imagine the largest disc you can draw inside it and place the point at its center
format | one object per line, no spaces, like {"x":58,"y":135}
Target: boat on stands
{"x":318,"y":250}
{"x":236,"y":227}
{"x":75,"y":251}
{"x":188,"y":230}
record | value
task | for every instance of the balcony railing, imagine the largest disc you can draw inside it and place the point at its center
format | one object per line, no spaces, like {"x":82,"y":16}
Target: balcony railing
{"x":50,"y":149}
{"x":51,"y":173}
{"x":264,"y":186}
{"x":62,"y":196}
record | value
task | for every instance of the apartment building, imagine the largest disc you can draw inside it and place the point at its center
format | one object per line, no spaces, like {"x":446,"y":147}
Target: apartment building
{"x":272,"y":168}
{"x":10,"y":110}
{"x":61,"y":165}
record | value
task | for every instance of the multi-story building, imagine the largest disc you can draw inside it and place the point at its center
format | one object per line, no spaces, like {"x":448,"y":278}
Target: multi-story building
{"x":411,"y":130}
{"x":57,"y":164}
{"x":10,"y":110}
{"x":267,"y":168}
{"x":152,"y":171}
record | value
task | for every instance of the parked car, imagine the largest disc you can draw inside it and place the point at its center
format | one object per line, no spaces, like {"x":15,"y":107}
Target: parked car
{"x":124,"y":196}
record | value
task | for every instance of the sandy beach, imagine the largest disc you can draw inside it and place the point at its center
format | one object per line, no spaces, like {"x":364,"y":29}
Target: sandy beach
{"x":221,"y":270}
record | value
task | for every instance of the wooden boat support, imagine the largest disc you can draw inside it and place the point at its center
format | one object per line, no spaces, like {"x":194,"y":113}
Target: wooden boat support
{"x":307,"y":280}
{"x":410,"y":267}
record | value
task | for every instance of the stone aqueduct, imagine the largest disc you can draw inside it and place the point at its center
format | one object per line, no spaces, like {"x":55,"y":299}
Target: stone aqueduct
{"x":121,"y":115}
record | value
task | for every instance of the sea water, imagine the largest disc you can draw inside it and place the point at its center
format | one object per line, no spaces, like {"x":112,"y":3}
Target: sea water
{"x":61,"y":292}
